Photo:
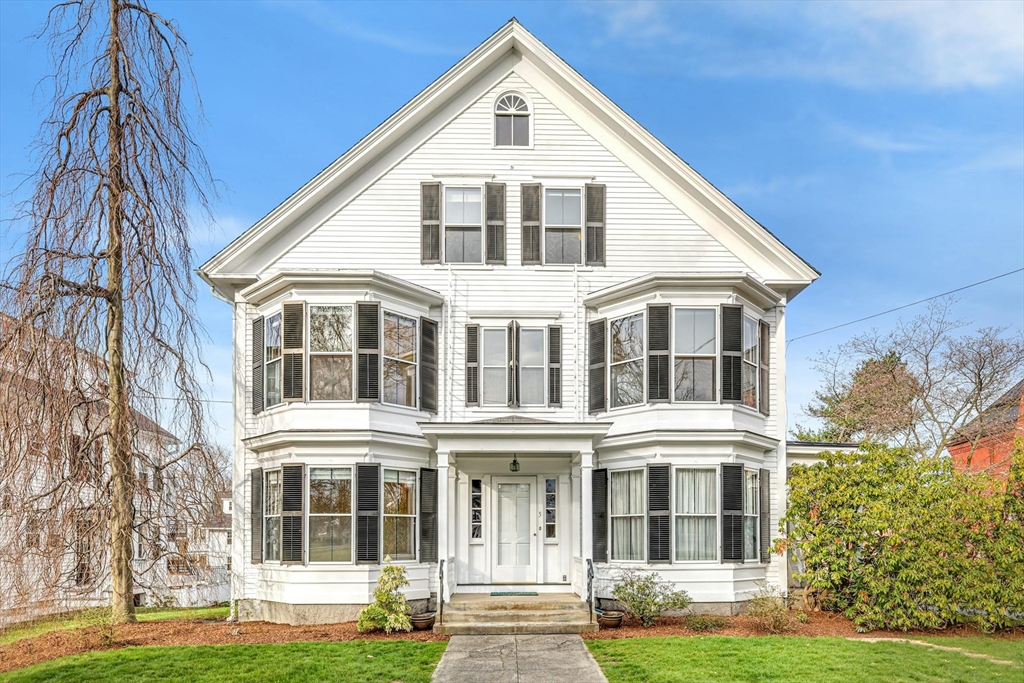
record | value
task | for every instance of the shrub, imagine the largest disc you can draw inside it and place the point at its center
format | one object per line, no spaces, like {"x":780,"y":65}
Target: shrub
{"x":388,"y":611}
{"x":644,"y":596}
{"x":769,"y":609}
{"x":704,"y":622}
{"x":801,"y":617}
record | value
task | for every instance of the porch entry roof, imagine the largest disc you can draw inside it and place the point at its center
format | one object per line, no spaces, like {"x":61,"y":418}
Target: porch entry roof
{"x":514,"y":433}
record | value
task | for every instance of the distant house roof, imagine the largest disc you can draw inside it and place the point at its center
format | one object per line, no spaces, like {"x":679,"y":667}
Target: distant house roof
{"x":216,"y":518}
{"x":999,"y":417}
{"x":823,"y":445}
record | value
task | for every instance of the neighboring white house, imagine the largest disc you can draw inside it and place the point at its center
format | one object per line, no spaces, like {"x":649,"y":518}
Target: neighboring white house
{"x":505,"y":336}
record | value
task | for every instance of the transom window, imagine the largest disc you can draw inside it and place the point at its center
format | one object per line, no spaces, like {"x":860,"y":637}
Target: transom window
{"x":562,"y":225}
{"x":696,"y":515}
{"x":751,"y":351}
{"x":272,"y":515}
{"x":495,"y":368}
{"x":627,"y":366}
{"x":627,"y":514}
{"x":462,"y":220}
{"x":272,"y":360}
{"x":330,"y":353}
{"x":400,"y":514}
{"x":399,"y":360}
{"x":695,"y":354}
{"x":330,"y":514}
{"x":511,"y":121}
{"x":751,"y":510}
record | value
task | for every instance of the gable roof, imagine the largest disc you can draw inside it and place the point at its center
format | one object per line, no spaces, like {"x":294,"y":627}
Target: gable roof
{"x":513,"y":46}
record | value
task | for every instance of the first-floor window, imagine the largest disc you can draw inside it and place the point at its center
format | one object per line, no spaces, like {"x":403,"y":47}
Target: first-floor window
{"x":495,"y":373}
{"x":696,"y":515}
{"x":272,"y":515}
{"x":627,"y":514}
{"x":751,"y":508}
{"x":330,"y":353}
{"x":627,"y":360}
{"x":399,"y":360}
{"x":400,"y":514}
{"x":330,"y":514}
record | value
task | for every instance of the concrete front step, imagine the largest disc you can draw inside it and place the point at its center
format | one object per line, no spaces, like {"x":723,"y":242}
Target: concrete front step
{"x":515,"y":616}
{"x":482,"y":614}
{"x":504,"y":628}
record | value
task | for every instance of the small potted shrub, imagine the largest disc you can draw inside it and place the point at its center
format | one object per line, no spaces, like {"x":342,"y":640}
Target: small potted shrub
{"x":644,"y":596}
{"x":389,"y":610}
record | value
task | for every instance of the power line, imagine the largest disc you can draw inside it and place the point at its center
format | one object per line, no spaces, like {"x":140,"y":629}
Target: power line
{"x":898,"y":308}
{"x":201,"y":400}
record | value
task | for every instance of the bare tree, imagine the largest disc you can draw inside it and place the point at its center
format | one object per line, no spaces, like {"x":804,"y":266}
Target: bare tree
{"x":919,"y":385}
{"x":101,"y":301}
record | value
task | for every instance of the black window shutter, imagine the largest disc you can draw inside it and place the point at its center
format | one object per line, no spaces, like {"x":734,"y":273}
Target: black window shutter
{"x":764,"y":481}
{"x":597,"y":349}
{"x":766,"y":353}
{"x":599,"y":504}
{"x":293,"y":323}
{"x":595,"y":224}
{"x":732,"y":354}
{"x":495,"y":229}
{"x":472,"y":365}
{"x":513,"y":364}
{"x":428,"y":515}
{"x":530,"y":221}
{"x":430,"y":223}
{"x":428,"y":365}
{"x":292,"y":503}
{"x":367,"y":513}
{"x":257,"y":365}
{"x":659,"y":364}
{"x":368,"y":350}
{"x":659,"y":519}
{"x":256,"y":514}
{"x":732,"y":513}
{"x":555,"y":366}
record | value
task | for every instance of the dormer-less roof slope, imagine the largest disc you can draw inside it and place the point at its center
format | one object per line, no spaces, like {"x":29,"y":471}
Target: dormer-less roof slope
{"x":773,"y":261}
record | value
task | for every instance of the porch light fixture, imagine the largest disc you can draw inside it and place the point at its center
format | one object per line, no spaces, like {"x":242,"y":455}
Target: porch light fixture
{"x":514,"y":465}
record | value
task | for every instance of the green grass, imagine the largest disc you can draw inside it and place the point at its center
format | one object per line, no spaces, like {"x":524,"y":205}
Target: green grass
{"x":788,"y":660}
{"x":360,"y":661}
{"x":96,"y":617}
{"x":999,"y":648}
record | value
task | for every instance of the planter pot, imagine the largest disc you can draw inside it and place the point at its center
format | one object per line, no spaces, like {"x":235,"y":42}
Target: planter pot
{"x":610,"y":618}
{"x":423,"y":621}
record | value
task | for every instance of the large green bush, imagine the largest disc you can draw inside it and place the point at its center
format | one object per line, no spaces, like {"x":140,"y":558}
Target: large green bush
{"x":898,"y":541}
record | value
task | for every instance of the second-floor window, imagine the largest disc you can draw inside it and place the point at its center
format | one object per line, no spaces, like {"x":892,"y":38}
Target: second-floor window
{"x":695,"y":354}
{"x":272,"y":360}
{"x":751,"y":354}
{"x":531,"y":367}
{"x":627,"y":360}
{"x":330,"y":353}
{"x":563,"y":225}
{"x":399,"y":385}
{"x":462,"y":225}
{"x":495,"y":368}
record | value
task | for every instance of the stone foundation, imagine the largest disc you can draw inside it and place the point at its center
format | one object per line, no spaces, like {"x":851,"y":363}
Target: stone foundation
{"x":720,"y":609}
{"x":304,"y":615}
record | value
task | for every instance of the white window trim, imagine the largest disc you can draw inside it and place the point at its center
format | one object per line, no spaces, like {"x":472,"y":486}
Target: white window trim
{"x":544,"y":222}
{"x":543,"y":366}
{"x":494,"y":119}
{"x":476,"y":541}
{"x":757,"y":366}
{"x":416,"y":363}
{"x":504,"y":365}
{"x":310,"y":514}
{"x":716,"y":356}
{"x":415,"y":517}
{"x":643,"y":359}
{"x":717,"y":515}
{"x":445,"y":225}
{"x":266,"y":498}
{"x":310,"y":353}
{"x":553,"y":540}
{"x":642,"y":514}
{"x":279,"y":360}
{"x":756,"y":515}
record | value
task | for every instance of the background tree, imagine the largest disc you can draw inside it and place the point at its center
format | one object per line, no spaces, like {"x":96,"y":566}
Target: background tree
{"x":917,"y":386}
{"x":101,"y":301}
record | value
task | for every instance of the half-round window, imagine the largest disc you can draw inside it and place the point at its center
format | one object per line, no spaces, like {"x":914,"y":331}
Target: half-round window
{"x":511,"y":121}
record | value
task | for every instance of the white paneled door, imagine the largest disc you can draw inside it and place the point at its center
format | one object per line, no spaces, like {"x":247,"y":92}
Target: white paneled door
{"x":515,"y":557}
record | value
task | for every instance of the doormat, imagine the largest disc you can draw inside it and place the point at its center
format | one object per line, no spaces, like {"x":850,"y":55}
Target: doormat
{"x":509,"y":594}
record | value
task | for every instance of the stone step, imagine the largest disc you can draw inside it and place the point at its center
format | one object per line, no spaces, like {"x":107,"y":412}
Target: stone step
{"x":510,"y":605}
{"x":515,"y":616}
{"x":501,"y":628}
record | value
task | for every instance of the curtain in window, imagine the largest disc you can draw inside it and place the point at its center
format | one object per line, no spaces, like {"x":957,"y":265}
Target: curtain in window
{"x":696,"y":515}
{"x":627,"y":515}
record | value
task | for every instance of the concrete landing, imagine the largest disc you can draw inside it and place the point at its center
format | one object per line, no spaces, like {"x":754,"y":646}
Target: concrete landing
{"x":480,"y":614}
{"x":517,"y":659}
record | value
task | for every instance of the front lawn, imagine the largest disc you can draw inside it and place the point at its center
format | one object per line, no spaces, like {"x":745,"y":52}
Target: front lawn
{"x":101,"y":615}
{"x":358,"y":661}
{"x":993,"y":646}
{"x":788,"y":659}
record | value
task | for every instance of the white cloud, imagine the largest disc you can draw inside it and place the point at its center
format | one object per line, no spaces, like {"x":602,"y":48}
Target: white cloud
{"x":937,"y":45}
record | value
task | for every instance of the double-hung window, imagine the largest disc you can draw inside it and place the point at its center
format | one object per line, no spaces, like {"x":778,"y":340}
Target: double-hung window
{"x":495,"y":368}
{"x":462,"y":222}
{"x":511,"y":121}
{"x":531,"y":367}
{"x":400,"y":514}
{"x":696,"y":514}
{"x":695,"y":354}
{"x":563,"y":226}
{"x":751,"y":510}
{"x":330,"y":514}
{"x":272,"y":516}
{"x":751,"y":353}
{"x":627,"y":366}
{"x":272,"y":360}
{"x":399,"y":360}
{"x":330,"y":353}
{"x":627,"y":514}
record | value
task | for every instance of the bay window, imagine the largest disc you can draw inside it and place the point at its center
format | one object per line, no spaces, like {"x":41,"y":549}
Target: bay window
{"x":695,"y":354}
{"x":751,"y":505}
{"x":462,"y":220}
{"x":563,"y":225}
{"x":399,"y":360}
{"x":272,"y":360}
{"x":627,"y":515}
{"x":696,"y":513}
{"x":751,"y":354}
{"x":330,"y":514}
{"x":330,"y":353}
{"x":627,"y":360}
{"x":272,"y":516}
{"x":400,"y":514}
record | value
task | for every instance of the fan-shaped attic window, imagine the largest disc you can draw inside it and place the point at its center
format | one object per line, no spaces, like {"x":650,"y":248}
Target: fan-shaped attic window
{"x":512,"y":121}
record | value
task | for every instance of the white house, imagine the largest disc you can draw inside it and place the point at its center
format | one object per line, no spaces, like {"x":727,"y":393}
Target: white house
{"x":507,"y":338}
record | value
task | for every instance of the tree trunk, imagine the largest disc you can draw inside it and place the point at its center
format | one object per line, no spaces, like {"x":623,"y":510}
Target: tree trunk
{"x":122,"y":605}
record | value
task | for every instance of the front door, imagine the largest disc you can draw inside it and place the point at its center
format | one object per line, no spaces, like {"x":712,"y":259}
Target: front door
{"x":515,"y":557}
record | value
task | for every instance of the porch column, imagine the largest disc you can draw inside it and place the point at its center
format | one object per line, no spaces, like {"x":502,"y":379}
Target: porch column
{"x":587,"y":505}
{"x":443,"y":516}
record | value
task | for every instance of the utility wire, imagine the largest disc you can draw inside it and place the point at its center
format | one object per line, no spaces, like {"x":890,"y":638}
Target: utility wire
{"x":898,"y":308}
{"x":201,"y":400}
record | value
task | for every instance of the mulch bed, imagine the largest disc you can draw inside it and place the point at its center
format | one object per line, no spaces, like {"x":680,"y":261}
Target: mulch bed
{"x":56,"y":644}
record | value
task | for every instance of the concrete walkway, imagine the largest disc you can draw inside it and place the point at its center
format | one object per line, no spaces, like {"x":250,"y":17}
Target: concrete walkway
{"x":518,"y":659}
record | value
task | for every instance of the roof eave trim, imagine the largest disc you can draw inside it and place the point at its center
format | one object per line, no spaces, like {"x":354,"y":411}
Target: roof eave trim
{"x":372,"y":280}
{"x":751,"y":288}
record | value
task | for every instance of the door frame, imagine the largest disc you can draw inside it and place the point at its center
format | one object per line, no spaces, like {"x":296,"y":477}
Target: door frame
{"x":532,"y":575}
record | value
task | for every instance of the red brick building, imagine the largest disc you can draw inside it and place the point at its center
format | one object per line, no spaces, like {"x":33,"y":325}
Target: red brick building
{"x":987,"y":442}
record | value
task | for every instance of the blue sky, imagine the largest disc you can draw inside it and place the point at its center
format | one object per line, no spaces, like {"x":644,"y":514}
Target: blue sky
{"x":883,"y":142}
